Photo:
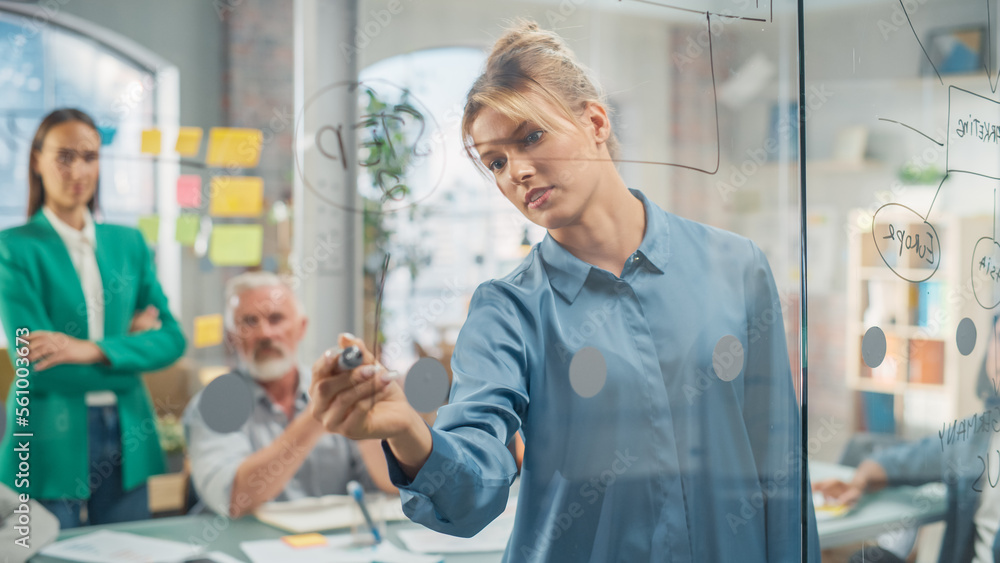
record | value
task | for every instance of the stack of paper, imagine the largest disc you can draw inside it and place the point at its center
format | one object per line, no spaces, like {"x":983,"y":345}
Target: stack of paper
{"x":329,"y":512}
{"x":337,"y":548}
{"x":491,"y":538}
{"x":106,"y":546}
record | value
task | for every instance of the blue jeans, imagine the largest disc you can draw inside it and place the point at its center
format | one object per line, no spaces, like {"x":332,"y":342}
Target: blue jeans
{"x":108,"y":503}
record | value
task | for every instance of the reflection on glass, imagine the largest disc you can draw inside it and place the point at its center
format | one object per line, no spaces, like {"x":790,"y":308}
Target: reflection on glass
{"x":901,"y":305}
{"x":641,"y":356}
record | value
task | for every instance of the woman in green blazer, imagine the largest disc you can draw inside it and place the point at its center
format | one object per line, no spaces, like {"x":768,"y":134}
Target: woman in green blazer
{"x":79,"y":302}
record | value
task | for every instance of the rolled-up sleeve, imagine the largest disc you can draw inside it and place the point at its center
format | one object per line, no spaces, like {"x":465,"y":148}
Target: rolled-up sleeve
{"x":914,"y":463}
{"x":214,"y":458}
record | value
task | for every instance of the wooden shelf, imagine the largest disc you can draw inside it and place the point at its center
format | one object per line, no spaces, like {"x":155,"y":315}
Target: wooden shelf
{"x":895,"y":388}
{"x":884,"y":273}
{"x":920,"y":364}
{"x":909,"y":332}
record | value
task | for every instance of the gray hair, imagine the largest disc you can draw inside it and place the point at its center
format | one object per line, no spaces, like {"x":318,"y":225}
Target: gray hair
{"x":252,"y":280}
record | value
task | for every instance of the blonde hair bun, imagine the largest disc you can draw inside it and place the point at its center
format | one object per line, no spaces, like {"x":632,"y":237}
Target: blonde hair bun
{"x":527,"y":59}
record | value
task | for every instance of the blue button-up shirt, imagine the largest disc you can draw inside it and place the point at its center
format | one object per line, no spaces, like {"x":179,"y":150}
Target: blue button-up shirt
{"x":679,"y":457}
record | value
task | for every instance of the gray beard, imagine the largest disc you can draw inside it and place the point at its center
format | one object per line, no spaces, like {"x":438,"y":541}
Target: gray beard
{"x":269,"y":370}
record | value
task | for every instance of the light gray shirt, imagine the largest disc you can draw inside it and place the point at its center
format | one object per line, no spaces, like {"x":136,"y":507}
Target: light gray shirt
{"x":332,"y":463}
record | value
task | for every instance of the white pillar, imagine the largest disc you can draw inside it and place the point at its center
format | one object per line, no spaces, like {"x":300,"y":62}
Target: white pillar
{"x":326,"y":253}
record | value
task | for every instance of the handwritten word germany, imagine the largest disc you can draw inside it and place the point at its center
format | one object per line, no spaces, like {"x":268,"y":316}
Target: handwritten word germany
{"x":964,"y":429}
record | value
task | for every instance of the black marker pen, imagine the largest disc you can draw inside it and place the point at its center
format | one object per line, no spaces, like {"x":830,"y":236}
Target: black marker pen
{"x":350,"y":358}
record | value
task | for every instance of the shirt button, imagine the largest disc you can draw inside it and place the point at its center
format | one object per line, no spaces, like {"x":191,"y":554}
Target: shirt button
{"x":635,"y":258}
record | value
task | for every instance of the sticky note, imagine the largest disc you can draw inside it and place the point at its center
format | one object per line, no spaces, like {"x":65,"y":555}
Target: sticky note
{"x":149,"y":226}
{"x":150,"y":141}
{"x":187,"y":228}
{"x":207,"y":331}
{"x":305,"y":540}
{"x":107,"y":134}
{"x":229,"y":146}
{"x":189,"y":190}
{"x":188,"y":141}
{"x":236,"y":245}
{"x":236,"y":196}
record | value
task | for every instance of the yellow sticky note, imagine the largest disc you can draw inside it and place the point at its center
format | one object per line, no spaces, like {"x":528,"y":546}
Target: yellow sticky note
{"x":150,"y":141}
{"x":149,"y":226}
{"x":207,"y":331}
{"x":236,"y":245}
{"x":236,"y":196}
{"x":305,"y":540}
{"x":187,"y":229}
{"x":188,"y":141}
{"x":229,"y":146}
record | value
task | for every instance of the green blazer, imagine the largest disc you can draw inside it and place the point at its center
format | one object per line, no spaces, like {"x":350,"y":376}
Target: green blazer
{"x":39,"y":290}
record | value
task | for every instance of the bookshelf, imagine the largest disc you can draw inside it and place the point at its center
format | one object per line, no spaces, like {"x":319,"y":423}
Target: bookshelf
{"x":924,"y":376}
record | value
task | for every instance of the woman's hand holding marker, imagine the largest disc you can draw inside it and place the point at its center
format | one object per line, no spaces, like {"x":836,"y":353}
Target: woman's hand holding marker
{"x":364,"y":402}
{"x":354,"y":396}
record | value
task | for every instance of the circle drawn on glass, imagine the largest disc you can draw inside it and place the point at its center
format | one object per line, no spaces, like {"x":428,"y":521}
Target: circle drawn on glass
{"x":426,"y":385}
{"x":727,"y":358}
{"x":226,"y":403}
{"x":873,"y":347}
{"x":965,"y":336}
{"x":588,"y":372}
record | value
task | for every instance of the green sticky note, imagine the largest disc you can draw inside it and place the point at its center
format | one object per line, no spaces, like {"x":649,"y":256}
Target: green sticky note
{"x":236,"y":245}
{"x":187,"y":228}
{"x":149,"y":226}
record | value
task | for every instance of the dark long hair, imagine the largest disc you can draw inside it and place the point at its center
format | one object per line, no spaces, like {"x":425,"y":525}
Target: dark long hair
{"x":36,"y":191}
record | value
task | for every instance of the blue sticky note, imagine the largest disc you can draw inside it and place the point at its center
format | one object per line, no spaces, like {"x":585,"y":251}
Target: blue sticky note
{"x":107,"y":134}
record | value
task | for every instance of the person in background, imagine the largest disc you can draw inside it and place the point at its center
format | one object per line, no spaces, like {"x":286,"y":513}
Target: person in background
{"x":85,"y":315}
{"x":281,"y":452}
{"x":649,"y":449}
{"x":972,"y":519}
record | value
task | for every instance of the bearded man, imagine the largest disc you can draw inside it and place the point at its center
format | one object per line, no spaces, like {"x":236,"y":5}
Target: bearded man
{"x":281,"y":452}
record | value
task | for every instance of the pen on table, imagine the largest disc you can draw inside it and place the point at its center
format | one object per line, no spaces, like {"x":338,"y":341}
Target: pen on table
{"x":354,"y":489}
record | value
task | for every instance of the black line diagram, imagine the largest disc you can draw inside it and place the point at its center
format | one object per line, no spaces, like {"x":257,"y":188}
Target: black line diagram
{"x":746,"y":10}
{"x":393,"y":134}
{"x":972,"y":146}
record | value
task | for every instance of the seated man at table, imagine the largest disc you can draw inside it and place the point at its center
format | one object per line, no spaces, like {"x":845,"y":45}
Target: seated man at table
{"x":281,"y":452}
{"x":960,"y":461}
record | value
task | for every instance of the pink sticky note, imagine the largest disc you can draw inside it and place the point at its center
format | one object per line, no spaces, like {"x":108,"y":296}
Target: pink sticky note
{"x":189,"y":190}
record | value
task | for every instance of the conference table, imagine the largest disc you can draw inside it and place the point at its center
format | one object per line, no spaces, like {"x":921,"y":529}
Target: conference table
{"x":877,"y":513}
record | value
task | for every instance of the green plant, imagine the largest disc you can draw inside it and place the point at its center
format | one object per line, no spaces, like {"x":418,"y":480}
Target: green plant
{"x":171,"y":433}
{"x":390,"y":132}
{"x":913,"y":174}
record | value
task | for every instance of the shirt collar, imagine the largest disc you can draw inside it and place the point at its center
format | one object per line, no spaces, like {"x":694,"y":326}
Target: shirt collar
{"x":568,"y":273}
{"x":69,"y":234}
